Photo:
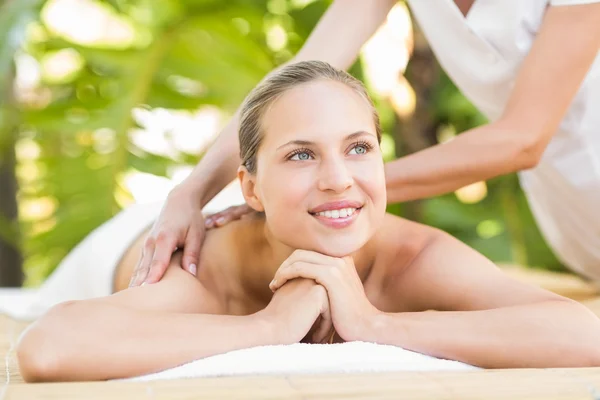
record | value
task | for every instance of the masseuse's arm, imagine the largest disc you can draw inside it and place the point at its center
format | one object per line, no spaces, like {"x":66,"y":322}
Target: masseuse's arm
{"x":336,"y":39}
{"x":565,"y":47}
{"x":484,"y":317}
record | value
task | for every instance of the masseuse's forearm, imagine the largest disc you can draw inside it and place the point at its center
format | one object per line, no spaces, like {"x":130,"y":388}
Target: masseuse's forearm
{"x":334,"y":40}
{"x":543,"y":90}
{"x":478,"y":154}
{"x":218,"y":166}
{"x":97,"y":341}
{"x":512,"y":337}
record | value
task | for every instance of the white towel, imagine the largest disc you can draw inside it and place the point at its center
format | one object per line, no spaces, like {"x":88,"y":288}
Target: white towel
{"x":351,"y":357}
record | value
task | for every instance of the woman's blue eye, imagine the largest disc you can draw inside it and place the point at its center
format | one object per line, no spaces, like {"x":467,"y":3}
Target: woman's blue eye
{"x":301,"y":156}
{"x":359,"y":149}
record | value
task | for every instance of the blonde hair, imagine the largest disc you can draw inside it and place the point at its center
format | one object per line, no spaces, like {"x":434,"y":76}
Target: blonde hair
{"x":270,"y":89}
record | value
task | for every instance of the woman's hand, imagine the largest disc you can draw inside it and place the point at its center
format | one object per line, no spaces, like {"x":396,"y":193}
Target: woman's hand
{"x":179,"y":225}
{"x":351,"y":311}
{"x":299,"y":311}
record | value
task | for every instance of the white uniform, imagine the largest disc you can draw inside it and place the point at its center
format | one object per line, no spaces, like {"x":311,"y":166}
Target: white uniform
{"x":482,"y":53}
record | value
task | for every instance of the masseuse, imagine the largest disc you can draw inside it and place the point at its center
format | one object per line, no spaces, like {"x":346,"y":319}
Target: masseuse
{"x":531,"y":67}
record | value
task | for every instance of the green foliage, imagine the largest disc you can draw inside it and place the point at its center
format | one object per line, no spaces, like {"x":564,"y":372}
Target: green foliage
{"x":184,"y":54}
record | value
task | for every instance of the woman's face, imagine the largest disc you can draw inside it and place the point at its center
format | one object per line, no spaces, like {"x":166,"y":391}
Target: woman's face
{"x":320,"y":177}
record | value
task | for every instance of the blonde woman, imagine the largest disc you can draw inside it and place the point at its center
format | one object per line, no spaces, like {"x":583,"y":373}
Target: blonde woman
{"x":319,"y":260}
{"x":531,"y":67}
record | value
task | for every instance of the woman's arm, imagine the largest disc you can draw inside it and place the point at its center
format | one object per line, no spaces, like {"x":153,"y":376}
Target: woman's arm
{"x":565,"y":47}
{"x":133,"y":332}
{"x":483,"y":317}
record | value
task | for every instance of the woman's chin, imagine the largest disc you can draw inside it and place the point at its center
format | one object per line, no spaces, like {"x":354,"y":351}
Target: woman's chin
{"x":339,"y":244}
{"x":337,"y":249}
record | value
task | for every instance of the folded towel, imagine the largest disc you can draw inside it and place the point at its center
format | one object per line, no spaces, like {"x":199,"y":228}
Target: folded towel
{"x":301,"y":358}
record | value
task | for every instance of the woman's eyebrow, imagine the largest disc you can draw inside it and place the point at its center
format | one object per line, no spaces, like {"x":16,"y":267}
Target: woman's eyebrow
{"x":309,"y":143}
{"x":358,"y":134}
{"x":297,"y":142}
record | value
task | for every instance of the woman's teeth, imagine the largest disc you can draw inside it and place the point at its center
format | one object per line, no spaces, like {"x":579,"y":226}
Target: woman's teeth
{"x":341,"y":213}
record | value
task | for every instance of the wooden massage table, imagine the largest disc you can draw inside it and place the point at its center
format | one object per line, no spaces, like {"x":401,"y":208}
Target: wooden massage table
{"x":546,"y":384}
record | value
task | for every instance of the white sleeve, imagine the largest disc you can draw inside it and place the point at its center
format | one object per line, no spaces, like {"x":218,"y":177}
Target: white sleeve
{"x":571,"y":2}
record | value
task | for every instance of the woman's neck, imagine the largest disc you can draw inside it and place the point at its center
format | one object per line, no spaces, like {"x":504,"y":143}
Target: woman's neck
{"x":245,"y":256}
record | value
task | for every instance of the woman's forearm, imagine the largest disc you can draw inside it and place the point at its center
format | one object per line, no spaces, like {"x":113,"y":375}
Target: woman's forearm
{"x":478,"y":154}
{"x":543,"y":335}
{"x":97,"y":341}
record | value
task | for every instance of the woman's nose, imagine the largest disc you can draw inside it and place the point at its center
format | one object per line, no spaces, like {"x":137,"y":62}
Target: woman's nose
{"x":335,"y":176}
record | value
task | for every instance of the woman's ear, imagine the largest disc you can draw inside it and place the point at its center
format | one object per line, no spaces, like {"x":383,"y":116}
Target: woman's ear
{"x":248,"y":184}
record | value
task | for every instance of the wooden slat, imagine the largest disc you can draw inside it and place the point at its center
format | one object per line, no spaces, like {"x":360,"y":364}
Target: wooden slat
{"x":565,"y":284}
{"x":9,"y":333}
{"x":546,"y":384}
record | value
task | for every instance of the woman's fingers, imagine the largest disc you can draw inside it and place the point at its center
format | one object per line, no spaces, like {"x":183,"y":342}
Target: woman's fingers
{"x":318,"y":273}
{"x":325,"y":327}
{"x":312,"y":257}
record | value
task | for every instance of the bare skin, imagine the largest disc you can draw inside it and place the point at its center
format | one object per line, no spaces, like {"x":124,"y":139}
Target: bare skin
{"x":464,"y":6}
{"x":247,"y":279}
{"x":398,"y":276}
{"x":298,"y":273}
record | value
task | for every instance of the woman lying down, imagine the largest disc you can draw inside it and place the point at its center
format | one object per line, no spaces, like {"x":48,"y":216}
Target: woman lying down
{"x":320,"y":261}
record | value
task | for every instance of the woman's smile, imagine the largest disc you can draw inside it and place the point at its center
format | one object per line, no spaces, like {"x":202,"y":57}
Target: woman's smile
{"x":338,"y":214}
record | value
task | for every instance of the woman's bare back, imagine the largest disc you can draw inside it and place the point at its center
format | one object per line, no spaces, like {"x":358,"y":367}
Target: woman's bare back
{"x":237,"y":264}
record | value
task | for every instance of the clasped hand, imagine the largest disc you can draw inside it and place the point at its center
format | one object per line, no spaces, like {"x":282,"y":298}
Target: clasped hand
{"x":316,"y":294}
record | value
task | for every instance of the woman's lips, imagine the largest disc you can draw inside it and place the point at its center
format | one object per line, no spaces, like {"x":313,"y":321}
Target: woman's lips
{"x":338,"y":223}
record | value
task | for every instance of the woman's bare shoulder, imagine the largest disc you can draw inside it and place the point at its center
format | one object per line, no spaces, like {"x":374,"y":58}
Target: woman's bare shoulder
{"x":396,"y":246}
{"x":233,"y":256}
{"x":229,"y":245}
{"x":400,"y":240}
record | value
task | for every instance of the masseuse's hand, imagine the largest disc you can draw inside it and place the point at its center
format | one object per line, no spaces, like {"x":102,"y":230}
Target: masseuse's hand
{"x":229,"y":214}
{"x":351,"y":311}
{"x":299,"y":311}
{"x":179,"y":225}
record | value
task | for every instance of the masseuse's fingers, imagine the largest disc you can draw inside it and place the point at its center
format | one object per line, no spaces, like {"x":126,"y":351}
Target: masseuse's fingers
{"x":191,"y":249}
{"x":143,"y":266}
{"x":165,"y":247}
{"x":229,"y":214}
